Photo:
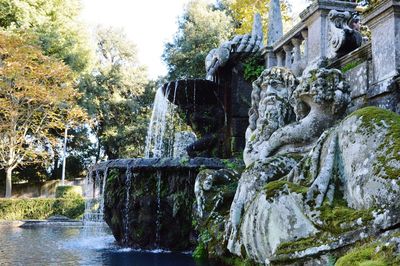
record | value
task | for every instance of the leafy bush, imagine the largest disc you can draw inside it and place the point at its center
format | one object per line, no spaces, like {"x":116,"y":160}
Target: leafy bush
{"x":253,"y":67}
{"x":22,"y":209}
{"x":68,"y":191}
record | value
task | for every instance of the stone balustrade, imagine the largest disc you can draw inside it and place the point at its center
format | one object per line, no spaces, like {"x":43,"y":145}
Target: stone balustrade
{"x":308,"y":40}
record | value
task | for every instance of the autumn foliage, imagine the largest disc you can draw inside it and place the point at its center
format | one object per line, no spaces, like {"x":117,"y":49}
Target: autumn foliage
{"x":36,"y":93}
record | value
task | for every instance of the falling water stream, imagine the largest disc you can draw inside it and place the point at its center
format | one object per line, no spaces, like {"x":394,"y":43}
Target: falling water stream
{"x":128,"y":184}
{"x":155,"y":133}
{"x":159,"y":144}
{"x":158,"y":220}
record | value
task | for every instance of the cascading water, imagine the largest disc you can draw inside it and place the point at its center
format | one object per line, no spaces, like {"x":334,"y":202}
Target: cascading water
{"x":167,"y":138}
{"x":158,"y":220}
{"x":94,"y":194}
{"x":128,"y":184}
{"x":155,"y":133}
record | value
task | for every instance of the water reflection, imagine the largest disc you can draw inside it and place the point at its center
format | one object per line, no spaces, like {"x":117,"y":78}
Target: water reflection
{"x":76,"y":246}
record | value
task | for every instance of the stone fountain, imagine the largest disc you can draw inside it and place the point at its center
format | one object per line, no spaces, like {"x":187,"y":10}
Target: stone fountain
{"x":148,"y":202}
{"x":322,"y":172}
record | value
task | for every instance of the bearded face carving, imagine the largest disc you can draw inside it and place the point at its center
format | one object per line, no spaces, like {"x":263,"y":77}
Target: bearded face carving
{"x":270,"y":108}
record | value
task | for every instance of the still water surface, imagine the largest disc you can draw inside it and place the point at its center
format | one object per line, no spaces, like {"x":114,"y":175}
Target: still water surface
{"x":57,"y":245}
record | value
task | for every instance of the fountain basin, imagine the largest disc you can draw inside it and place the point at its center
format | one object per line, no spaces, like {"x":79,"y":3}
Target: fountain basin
{"x":148,"y":203}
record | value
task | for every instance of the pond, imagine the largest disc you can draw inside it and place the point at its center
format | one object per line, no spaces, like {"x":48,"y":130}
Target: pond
{"x":89,"y":245}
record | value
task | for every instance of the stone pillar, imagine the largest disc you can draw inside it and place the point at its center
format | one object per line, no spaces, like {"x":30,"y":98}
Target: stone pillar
{"x":275,"y":32}
{"x":315,"y":17}
{"x":304,"y":34}
{"x":288,"y":55}
{"x":275,"y":25}
{"x":280,"y":59}
{"x":270,"y":57}
{"x":384,"y":23}
{"x":297,"y":66}
{"x":296,"y":51}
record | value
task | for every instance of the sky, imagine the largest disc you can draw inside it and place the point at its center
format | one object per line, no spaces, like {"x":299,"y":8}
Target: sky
{"x":147,"y":23}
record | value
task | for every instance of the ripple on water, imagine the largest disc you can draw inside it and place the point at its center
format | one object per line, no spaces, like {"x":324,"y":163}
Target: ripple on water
{"x":58,"y":245}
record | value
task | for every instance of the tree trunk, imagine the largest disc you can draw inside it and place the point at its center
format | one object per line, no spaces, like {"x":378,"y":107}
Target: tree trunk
{"x":8,"y":182}
{"x":64,"y":162}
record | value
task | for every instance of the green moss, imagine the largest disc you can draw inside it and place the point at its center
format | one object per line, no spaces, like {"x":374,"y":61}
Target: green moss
{"x":338,"y":213}
{"x":272,"y":188}
{"x":236,"y":261}
{"x":200,"y":252}
{"x":371,"y":254}
{"x":390,"y":147}
{"x":184,"y":161}
{"x":112,"y":175}
{"x":350,"y":66}
{"x":233,"y":165}
{"x":335,"y":216}
{"x":302,"y":244}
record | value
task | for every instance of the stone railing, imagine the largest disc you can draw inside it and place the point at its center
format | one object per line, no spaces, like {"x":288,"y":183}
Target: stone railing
{"x":306,"y":41}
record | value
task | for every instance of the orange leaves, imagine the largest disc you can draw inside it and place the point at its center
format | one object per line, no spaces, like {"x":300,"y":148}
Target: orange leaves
{"x":36,"y":96}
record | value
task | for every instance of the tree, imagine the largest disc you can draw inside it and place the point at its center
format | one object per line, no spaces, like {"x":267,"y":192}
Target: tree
{"x":242,"y":12}
{"x":201,"y":28}
{"x":74,"y":117}
{"x":118,"y":96}
{"x":54,"y":23}
{"x":36,"y":93}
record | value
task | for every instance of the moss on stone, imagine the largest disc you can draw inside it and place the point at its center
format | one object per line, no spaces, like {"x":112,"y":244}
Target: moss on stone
{"x":350,"y":66}
{"x":200,"y":252}
{"x":389,"y":150}
{"x":335,"y":217}
{"x":371,"y":254}
{"x":236,"y":261}
{"x":303,"y":244}
{"x":272,"y":188}
{"x":338,"y":218}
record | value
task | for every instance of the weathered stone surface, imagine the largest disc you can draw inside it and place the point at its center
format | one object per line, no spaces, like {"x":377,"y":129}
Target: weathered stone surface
{"x":357,"y":78}
{"x":270,"y":109}
{"x":181,"y":141}
{"x":240,"y":46}
{"x":148,"y":202}
{"x":275,"y":25}
{"x":160,"y":163}
{"x":371,"y":164}
{"x":151,"y":210}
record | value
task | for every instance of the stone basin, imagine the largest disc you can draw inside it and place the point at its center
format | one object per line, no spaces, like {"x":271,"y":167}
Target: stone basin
{"x":148,"y":202}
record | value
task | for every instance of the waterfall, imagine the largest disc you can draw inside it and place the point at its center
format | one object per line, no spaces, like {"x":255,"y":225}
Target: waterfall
{"x":94,"y":195}
{"x":128,"y":184}
{"x":155,"y":132}
{"x":158,"y":220}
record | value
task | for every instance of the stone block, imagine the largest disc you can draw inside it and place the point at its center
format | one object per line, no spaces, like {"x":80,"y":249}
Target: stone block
{"x":358,"y":80}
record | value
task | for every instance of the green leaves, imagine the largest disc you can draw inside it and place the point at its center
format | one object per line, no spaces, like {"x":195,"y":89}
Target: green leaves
{"x":201,"y":28}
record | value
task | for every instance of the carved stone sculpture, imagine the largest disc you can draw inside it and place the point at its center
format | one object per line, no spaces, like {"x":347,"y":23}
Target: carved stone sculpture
{"x":318,"y":101}
{"x":240,"y":45}
{"x":270,"y":108}
{"x":325,"y":93}
{"x":344,"y":36}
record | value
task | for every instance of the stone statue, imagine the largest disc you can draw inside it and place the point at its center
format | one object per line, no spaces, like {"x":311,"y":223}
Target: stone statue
{"x":270,"y":108}
{"x":318,"y":101}
{"x":325,"y":94}
{"x":239,"y":46}
{"x":344,"y":33}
